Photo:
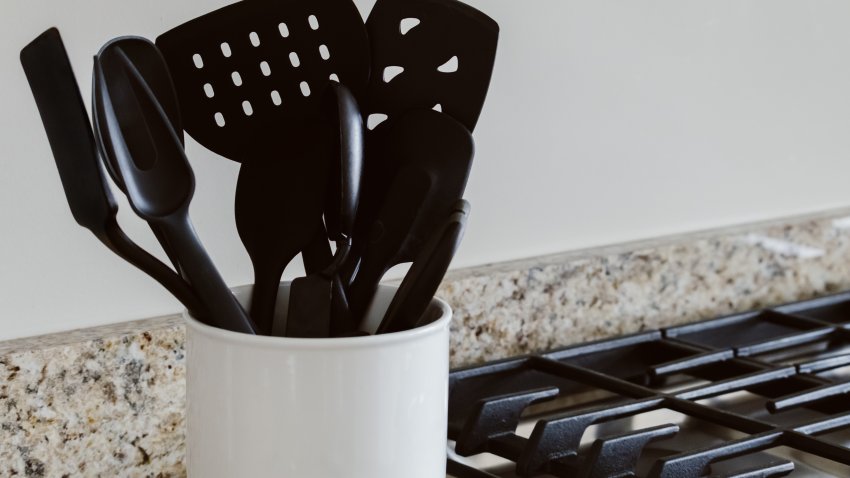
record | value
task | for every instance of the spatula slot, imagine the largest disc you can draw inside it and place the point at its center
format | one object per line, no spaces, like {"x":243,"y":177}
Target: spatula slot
{"x":305,"y":88}
{"x":247,"y":108}
{"x":324,"y":52}
{"x":391,"y":72}
{"x":408,"y":24}
{"x":265,"y":68}
{"x":334,"y":77}
{"x":237,"y":78}
{"x":375,"y":119}
{"x":255,"y":39}
{"x":293,"y":58}
{"x":450,"y":66}
{"x":283,"y":29}
{"x":313,"y":21}
{"x":209,"y":91}
{"x":219,"y":119}
{"x":276,"y":99}
{"x":225,"y":50}
{"x":198,"y":61}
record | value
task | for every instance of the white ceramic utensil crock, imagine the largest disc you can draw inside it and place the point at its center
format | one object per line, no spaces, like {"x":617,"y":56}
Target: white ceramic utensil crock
{"x":362,"y":407}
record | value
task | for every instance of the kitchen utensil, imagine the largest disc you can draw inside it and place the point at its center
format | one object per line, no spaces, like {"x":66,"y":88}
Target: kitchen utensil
{"x":250,"y":77}
{"x":148,"y":61}
{"x":60,"y":104}
{"x":310,"y":308}
{"x":425,"y":54}
{"x":424,"y":277}
{"x":435,"y":154}
{"x":150,"y":159}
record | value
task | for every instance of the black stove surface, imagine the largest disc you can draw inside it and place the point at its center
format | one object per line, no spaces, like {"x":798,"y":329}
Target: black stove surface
{"x":760,"y":394}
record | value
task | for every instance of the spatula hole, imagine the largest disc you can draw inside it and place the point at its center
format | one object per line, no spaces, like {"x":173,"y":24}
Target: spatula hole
{"x":391,"y":72}
{"x":219,"y":120}
{"x":276,"y":99}
{"x":265,"y":68}
{"x":305,"y":88}
{"x":408,"y":24}
{"x":198,"y":61}
{"x":450,"y":66}
{"x":375,"y":119}
{"x":237,"y":78}
{"x":225,"y":50}
{"x":323,"y":50}
{"x":293,"y":58}
{"x":438,"y":107}
{"x":313,"y":21}
{"x":334,"y":77}
{"x":255,"y":38}
{"x":208,"y":90}
{"x":283,"y":29}
{"x":247,"y":108}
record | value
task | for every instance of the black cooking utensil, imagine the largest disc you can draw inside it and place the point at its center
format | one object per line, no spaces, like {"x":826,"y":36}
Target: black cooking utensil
{"x":435,"y":154}
{"x":424,"y":277}
{"x":250,"y":77}
{"x":425,"y":54}
{"x":310,"y":302}
{"x":148,"y":61}
{"x":60,"y":104}
{"x":149,"y":157}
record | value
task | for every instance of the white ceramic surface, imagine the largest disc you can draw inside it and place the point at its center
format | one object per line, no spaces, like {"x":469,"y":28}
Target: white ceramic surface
{"x":364,"y":407}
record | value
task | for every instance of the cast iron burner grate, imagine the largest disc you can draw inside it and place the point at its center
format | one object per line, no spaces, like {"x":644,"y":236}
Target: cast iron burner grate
{"x":759,"y":394}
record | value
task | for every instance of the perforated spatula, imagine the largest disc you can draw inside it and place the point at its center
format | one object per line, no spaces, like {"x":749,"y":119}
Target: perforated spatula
{"x":149,"y":157}
{"x":250,"y":77}
{"x":65,"y":120}
{"x":425,"y":54}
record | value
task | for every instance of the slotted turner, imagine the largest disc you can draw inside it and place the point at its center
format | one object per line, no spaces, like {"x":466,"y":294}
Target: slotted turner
{"x":250,"y":78}
{"x":425,"y":54}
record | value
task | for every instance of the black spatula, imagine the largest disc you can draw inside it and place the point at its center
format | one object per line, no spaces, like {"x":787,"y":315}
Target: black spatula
{"x":434,"y":153}
{"x":425,"y":54}
{"x":149,"y":157}
{"x":310,"y":302}
{"x":64,"y":116}
{"x":424,"y":277}
{"x":250,"y":77}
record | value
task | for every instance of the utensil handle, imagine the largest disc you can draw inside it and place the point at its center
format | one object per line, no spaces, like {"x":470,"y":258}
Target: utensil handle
{"x":128,"y":250}
{"x":264,"y":298}
{"x":224,"y":310}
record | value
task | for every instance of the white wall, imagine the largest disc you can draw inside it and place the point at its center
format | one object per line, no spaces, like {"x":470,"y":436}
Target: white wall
{"x":607,"y":121}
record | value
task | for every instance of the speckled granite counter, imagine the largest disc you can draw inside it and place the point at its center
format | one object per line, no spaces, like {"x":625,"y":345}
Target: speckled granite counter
{"x":108,"y":402}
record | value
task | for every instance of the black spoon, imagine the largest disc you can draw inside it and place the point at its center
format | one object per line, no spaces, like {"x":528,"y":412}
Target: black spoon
{"x":54,"y":87}
{"x":311,"y":297}
{"x":159,"y":181}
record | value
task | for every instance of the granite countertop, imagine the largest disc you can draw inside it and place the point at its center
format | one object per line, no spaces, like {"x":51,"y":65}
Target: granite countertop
{"x":110,"y":401}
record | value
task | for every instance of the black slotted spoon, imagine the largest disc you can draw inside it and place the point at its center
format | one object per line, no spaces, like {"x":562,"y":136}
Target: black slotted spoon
{"x":425,"y":54}
{"x":250,"y":78}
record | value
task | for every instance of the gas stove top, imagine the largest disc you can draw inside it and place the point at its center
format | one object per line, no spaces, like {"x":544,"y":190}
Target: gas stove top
{"x":760,"y":394}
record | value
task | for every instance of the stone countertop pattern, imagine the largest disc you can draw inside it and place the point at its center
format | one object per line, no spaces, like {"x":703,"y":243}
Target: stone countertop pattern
{"x":109,"y":401}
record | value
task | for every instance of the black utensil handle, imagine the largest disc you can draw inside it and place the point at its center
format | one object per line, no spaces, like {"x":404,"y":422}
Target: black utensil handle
{"x":128,"y":250}
{"x":264,"y":298}
{"x":224,"y":310}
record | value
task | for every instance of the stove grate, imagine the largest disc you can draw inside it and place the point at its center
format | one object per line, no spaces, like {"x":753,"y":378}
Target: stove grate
{"x":759,"y":394}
